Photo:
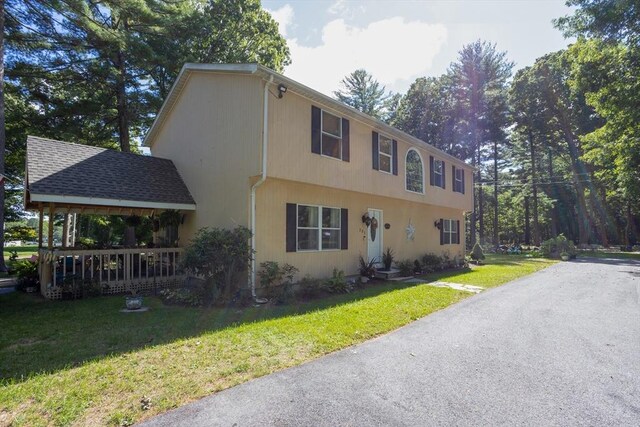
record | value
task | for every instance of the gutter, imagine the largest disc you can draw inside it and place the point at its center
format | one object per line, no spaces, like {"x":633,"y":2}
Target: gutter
{"x":263,"y":178}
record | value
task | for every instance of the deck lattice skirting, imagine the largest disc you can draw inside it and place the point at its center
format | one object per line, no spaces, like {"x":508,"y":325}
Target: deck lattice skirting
{"x":114,"y":271}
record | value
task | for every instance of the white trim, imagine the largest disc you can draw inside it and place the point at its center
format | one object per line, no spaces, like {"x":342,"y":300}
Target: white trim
{"x":423,"y":171}
{"x":97,"y":201}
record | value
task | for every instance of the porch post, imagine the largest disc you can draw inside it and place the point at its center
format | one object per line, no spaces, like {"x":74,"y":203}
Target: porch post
{"x":40,"y":225}
{"x":51,"y":210}
{"x":65,"y":230}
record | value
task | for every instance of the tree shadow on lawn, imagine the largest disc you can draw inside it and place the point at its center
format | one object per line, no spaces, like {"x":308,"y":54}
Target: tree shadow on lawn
{"x":41,"y":336}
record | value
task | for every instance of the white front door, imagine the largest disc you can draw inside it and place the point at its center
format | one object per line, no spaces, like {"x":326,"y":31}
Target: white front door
{"x":374,"y":235}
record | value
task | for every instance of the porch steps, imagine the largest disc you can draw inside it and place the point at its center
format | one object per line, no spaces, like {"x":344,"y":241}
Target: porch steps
{"x":387,"y":274}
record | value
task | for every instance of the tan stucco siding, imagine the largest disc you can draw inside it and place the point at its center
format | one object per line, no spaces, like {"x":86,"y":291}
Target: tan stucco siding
{"x":273,"y":196}
{"x":290,"y":158}
{"x":213,"y":135}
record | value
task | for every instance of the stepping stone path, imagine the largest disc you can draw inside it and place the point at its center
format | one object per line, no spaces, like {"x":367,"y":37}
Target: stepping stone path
{"x":456,"y":286}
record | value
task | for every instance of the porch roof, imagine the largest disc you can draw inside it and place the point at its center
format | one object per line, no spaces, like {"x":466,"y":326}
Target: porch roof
{"x":75,"y":176}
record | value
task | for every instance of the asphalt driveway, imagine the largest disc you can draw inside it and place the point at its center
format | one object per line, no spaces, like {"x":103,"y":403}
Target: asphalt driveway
{"x":560,"y":347}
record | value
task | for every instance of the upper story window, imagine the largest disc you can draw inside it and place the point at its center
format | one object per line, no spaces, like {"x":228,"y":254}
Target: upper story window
{"x":331,"y":144}
{"x":384,"y":151}
{"x":414,"y":172}
{"x":437,"y":176}
{"x":329,"y":134}
{"x":458,"y":180}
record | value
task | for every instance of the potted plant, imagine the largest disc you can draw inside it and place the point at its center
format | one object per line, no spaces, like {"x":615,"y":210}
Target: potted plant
{"x":565,"y":256}
{"x":387,"y":259}
{"x":367,"y":269}
{"x":134,"y":301}
{"x":27,"y":272}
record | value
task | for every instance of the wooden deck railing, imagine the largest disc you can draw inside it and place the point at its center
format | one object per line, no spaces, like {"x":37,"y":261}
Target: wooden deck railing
{"x":107,"y":271}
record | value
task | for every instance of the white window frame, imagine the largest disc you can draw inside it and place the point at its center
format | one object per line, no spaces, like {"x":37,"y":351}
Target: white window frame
{"x":452,"y":226}
{"x":458,"y":181}
{"x":406,"y":174}
{"x":322,"y":132}
{"x":320,"y":228}
{"x":438,"y":175}
{"x":390,"y":156}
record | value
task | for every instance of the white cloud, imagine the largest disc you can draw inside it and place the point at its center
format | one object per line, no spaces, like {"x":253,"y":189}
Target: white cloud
{"x":284,"y":18}
{"x":345,"y":9}
{"x":338,"y":7}
{"x":392,"y":50}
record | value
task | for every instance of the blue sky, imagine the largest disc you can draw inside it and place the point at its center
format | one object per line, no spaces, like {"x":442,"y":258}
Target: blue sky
{"x":398,"y":41}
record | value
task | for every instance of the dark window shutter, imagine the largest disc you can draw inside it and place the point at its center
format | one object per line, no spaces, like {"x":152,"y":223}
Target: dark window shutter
{"x":444,"y":177}
{"x":345,"y":140}
{"x":374,"y":150}
{"x":344,"y":228}
{"x":292,"y":223}
{"x":395,"y":156}
{"x":431,"y":171}
{"x":316,"y":132}
{"x":453,"y":178}
{"x":458,"y":232}
{"x":462,"y":181}
{"x":441,"y":231}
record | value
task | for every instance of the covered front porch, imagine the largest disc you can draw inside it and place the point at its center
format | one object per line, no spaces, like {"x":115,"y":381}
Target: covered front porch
{"x":70,"y":179}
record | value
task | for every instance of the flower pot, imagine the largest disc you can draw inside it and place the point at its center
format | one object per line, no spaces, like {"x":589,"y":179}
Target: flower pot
{"x":565,"y":257}
{"x":133,"y":303}
{"x":364,"y":279}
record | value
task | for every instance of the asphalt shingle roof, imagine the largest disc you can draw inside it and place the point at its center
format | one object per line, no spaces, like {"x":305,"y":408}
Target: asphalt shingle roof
{"x":65,"y":169}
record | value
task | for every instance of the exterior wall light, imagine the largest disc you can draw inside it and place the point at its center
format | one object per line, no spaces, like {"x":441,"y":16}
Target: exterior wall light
{"x":282,"y":89}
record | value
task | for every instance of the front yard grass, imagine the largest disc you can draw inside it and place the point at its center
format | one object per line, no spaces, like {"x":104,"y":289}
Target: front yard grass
{"x":85,"y":363}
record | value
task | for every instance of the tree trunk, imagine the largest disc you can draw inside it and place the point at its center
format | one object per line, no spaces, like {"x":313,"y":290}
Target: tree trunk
{"x":496,"y":236}
{"x":534,"y":183}
{"x":527,"y":229}
{"x":480,"y":202}
{"x":555,"y":215}
{"x":3,"y":266}
{"x":577,"y":169}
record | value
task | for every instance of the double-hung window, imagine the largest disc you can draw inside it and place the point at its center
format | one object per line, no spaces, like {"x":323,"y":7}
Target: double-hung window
{"x":318,"y":228}
{"x":449,"y":232}
{"x":458,"y":180}
{"x":437,"y":175}
{"x":331,"y":135}
{"x":385,"y":153}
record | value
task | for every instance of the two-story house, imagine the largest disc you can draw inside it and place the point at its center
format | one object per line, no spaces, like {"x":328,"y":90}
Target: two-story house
{"x":318,"y":182}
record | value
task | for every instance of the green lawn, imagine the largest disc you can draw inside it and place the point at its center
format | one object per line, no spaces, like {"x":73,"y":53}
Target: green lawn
{"x":495,"y":270}
{"x":84,"y":362}
{"x":609,"y":254}
{"x":23,"y":251}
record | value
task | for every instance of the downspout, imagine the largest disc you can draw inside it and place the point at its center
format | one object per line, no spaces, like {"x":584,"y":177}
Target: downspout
{"x":263,"y":177}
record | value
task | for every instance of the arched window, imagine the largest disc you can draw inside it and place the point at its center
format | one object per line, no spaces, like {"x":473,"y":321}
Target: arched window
{"x":414,"y":172}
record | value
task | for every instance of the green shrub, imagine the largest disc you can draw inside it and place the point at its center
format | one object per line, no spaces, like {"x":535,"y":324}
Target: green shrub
{"x":27,"y":273}
{"x":405,"y":267}
{"x":417,"y":267}
{"x":477,"y":254}
{"x":221,"y":257}
{"x":278,"y":280}
{"x":182,"y":296}
{"x":338,"y":284}
{"x":431,"y":263}
{"x":309,"y":288}
{"x":553,"y":247}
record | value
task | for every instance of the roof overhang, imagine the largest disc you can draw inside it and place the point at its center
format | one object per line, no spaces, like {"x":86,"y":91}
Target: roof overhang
{"x":295,"y":87}
{"x":34,"y":201}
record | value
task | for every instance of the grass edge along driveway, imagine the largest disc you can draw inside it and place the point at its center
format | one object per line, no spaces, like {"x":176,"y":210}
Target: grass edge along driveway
{"x":84,"y":363}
